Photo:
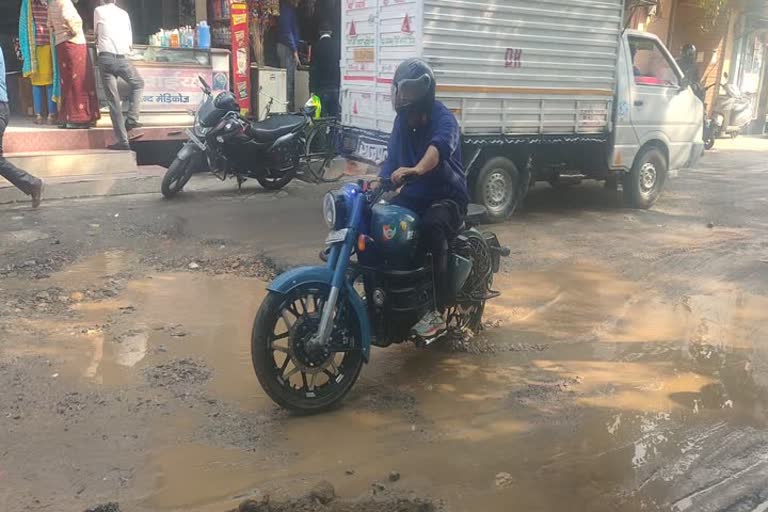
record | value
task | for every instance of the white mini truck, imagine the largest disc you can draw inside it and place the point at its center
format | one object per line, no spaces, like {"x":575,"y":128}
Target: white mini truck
{"x":551,"y":90}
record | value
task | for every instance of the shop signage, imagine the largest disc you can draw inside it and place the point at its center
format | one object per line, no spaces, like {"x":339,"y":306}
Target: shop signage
{"x":364,"y":55}
{"x":241,"y":58}
{"x":172,"y":89}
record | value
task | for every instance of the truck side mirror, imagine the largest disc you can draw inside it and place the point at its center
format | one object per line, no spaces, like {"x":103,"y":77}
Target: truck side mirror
{"x":685,"y":83}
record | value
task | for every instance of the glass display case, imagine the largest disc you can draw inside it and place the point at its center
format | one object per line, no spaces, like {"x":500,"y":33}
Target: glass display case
{"x":171,"y":77}
{"x":148,"y":55}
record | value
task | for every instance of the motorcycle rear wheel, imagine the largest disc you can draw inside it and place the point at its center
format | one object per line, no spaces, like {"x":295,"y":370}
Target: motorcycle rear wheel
{"x":270,"y":182}
{"x":176,"y":177}
{"x":292,"y":376}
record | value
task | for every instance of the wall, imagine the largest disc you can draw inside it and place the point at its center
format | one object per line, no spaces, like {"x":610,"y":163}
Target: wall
{"x":712,"y":44}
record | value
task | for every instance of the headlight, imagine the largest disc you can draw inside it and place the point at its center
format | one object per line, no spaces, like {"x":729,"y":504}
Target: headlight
{"x":199,"y":129}
{"x":335,"y":210}
{"x":329,"y":210}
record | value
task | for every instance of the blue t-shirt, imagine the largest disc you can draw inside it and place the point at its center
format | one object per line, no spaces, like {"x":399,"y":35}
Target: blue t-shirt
{"x":407,"y":146}
{"x":288,"y":27}
{"x":3,"y":87}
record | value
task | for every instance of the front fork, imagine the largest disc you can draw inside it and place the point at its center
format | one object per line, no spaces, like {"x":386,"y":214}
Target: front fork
{"x":339,"y":262}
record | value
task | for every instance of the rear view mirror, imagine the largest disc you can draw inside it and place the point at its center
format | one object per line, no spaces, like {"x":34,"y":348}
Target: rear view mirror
{"x":685,"y":83}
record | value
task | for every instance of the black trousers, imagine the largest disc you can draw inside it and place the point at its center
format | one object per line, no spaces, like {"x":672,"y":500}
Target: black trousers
{"x":21,"y":179}
{"x":440,"y":224}
{"x":329,"y":99}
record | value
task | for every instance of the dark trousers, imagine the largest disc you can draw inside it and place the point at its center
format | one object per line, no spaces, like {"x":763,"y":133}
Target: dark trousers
{"x":113,"y":67}
{"x":21,"y":179}
{"x":440,"y":225}
{"x":288,"y":62}
{"x":329,"y":99}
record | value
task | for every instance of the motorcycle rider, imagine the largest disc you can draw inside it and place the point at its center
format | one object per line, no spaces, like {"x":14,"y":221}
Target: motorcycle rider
{"x":424,"y":156}
{"x":687,"y":63}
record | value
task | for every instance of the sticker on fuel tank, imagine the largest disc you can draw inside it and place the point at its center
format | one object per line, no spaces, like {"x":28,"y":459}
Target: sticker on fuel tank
{"x":389,"y":232}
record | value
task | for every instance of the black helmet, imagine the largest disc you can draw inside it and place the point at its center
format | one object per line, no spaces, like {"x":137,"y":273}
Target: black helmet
{"x":413,"y":87}
{"x":689,"y":51}
{"x":226,"y":101}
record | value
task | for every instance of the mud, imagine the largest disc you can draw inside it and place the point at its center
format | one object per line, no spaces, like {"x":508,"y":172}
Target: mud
{"x":624,"y":368}
{"x":322,"y":498}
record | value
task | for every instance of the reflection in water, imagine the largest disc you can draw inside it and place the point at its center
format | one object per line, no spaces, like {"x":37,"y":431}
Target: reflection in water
{"x":627,"y":402}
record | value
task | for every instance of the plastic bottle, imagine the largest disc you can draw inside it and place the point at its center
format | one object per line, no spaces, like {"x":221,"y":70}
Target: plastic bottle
{"x":164,"y":39}
{"x":203,"y":35}
{"x":175,"y":38}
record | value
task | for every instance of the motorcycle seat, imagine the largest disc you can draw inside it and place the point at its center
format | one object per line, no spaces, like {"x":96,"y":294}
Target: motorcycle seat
{"x":276,"y":126}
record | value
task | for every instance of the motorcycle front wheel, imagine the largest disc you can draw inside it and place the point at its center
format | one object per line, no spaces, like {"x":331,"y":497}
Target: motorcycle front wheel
{"x":294,"y":375}
{"x":176,"y":177}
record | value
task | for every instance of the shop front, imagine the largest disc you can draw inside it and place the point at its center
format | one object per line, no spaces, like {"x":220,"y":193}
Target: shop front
{"x":749,"y":67}
{"x":236,"y":52}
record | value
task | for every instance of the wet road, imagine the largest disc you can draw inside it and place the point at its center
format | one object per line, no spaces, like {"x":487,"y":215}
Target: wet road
{"x":625,"y":367}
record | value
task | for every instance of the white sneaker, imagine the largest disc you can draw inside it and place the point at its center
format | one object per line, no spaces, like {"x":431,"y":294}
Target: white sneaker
{"x":431,"y":325}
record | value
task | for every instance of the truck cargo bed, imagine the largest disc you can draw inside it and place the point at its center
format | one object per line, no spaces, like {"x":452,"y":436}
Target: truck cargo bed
{"x":514,"y":67}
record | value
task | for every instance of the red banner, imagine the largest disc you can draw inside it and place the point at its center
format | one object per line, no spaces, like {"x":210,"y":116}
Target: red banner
{"x":241,"y":56}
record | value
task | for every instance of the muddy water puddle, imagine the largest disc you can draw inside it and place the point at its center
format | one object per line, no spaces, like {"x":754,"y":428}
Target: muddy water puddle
{"x":596,"y":393}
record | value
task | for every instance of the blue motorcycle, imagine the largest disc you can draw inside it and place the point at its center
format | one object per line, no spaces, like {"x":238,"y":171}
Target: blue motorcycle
{"x":315,"y":329}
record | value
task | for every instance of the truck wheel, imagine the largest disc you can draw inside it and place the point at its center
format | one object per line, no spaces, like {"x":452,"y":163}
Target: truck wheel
{"x":498,"y":187}
{"x":643,"y":185}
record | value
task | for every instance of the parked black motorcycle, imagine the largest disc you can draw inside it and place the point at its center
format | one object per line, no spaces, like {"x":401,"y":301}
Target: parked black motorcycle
{"x":316,"y":326}
{"x":229,"y":145}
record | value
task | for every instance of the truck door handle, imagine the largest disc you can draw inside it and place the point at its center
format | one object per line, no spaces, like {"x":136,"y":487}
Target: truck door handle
{"x":639,"y":103}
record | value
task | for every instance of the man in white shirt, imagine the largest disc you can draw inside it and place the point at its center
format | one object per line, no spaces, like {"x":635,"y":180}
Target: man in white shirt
{"x":114,"y":40}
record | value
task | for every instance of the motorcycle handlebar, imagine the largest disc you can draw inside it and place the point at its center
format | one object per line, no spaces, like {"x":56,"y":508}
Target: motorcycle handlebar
{"x":385,"y":185}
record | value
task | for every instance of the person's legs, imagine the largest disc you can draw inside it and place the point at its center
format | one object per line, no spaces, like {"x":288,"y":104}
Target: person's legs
{"x":109,"y":79}
{"x":20,"y":179}
{"x":127,"y":72}
{"x":38,"y":93}
{"x":52,"y":109}
{"x":439,"y":226}
{"x":289,"y":64}
{"x":329,"y":99}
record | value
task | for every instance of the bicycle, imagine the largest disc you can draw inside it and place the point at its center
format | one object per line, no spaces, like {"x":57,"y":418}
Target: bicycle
{"x":321,"y":148}
{"x":320,"y":145}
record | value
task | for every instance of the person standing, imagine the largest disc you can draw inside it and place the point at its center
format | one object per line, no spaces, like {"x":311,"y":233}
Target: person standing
{"x":288,"y":45}
{"x":324,"y":74}
{"x":114,"y":39}
{"x":690,"y":69}
{"x":37,"y":53}
{"x":22,"y":180}
{"x":79,"y":106}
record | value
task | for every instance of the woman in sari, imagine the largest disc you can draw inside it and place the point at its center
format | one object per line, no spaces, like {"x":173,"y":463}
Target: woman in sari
{"x":38,"y":56}
{"x":79,"y":107}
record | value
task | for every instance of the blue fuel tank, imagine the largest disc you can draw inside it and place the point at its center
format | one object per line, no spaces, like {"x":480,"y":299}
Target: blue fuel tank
{"x":395,"y":231}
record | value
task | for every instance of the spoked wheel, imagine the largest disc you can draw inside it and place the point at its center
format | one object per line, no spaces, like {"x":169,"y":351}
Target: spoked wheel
{"x":320,"y":153}
{"x":463,"y":317}
{"x":296,"y":375}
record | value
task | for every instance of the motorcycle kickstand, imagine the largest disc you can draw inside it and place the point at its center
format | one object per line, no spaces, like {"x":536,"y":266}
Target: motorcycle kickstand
{"x":240,"y":181}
